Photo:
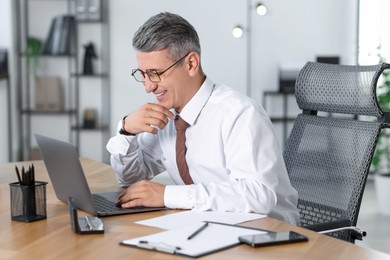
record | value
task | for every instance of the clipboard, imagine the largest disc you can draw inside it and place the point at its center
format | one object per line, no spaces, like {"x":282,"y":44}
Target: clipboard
{"x":216,"y":237}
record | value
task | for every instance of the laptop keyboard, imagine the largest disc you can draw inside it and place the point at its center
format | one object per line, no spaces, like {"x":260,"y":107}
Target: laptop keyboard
{"x":107,"y":204}
{"x":102,"y":204}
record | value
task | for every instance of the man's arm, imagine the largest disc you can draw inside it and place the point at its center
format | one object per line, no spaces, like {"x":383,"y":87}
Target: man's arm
{"x":131,"y":160}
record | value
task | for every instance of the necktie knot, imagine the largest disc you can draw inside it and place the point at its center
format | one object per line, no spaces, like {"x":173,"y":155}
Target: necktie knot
{"x":180,"y":124}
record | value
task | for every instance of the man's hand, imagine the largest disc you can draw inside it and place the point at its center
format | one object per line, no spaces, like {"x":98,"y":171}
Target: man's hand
{"x":147,"y":116}
{"x":143,"y":193}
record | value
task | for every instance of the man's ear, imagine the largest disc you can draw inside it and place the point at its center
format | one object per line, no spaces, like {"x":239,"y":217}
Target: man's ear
{"x":193,"y":63}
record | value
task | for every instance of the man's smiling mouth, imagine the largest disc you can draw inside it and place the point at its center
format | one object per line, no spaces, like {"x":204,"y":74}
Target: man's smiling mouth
{"x":160,"y":94}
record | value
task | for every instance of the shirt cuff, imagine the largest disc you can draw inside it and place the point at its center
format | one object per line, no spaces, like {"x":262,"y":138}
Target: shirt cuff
{"x":179,"y":196}
{"x":122,"y":144}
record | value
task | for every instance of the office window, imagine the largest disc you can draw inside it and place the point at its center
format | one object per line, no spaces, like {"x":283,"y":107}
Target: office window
{"x":374,"y":36}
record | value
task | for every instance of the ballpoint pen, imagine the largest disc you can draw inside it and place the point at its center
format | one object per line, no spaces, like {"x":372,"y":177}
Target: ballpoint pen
{"x":198,"y":230}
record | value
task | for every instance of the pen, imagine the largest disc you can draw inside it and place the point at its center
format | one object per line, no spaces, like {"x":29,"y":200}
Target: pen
{"x":29,"y":176}
{"x":198,"y":231}
{"x":32,"y":174}
{"x":18,"y":175}
{"x":24,"y":176}
{"x":89,"y":223}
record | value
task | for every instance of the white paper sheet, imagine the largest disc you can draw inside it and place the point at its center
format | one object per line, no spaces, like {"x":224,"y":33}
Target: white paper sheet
{"x":190,"y":217}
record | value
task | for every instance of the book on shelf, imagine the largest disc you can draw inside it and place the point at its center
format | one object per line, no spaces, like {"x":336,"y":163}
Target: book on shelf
{"x":49,"y":94}
{"x":61,"y":36}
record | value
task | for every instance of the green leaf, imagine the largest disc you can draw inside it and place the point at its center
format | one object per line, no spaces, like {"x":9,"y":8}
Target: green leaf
{"x":33,"y":50}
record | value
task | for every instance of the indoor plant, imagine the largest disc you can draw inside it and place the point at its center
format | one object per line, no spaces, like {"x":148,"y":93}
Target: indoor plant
{"x":33,"y":51}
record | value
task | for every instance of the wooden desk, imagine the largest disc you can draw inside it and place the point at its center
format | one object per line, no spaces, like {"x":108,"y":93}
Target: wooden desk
{"x":53,"y":238}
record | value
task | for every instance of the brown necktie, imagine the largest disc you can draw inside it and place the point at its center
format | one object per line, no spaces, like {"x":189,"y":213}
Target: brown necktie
{"x":181,"y":127}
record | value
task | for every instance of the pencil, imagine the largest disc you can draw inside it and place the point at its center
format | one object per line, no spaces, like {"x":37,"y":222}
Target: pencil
{"x":18,"y":175}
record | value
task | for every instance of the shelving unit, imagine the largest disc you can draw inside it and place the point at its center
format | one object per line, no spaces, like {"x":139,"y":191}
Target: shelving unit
{"x":80,"y":91}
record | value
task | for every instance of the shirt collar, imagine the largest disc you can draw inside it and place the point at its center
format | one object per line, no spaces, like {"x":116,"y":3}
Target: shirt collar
{"x":192,"y":109}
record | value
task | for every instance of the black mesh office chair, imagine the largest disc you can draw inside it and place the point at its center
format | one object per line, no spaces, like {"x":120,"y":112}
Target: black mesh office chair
{"x":328,"y":155}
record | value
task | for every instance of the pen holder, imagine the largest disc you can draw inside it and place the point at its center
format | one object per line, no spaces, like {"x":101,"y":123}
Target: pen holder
{"x":28,"y":203}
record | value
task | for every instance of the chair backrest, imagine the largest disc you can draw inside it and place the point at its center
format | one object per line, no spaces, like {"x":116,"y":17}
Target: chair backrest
{"x":328,"y":156}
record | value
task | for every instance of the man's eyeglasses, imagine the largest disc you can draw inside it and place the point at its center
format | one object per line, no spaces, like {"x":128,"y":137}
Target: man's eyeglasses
{"x":153,"y":75}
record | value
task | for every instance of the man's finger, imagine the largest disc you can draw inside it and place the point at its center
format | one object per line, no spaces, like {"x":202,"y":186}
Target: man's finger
{"x":162,"y":110}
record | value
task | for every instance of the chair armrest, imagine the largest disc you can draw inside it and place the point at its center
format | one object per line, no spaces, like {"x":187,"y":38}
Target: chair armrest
{"x":338,"y":226}
{"x":329,"y":225}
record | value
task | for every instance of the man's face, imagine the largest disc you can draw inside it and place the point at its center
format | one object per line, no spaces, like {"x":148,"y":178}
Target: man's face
{"x":170,"y":92}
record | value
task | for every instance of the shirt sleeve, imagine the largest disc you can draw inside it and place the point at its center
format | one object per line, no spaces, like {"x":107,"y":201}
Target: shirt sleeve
{"x":134,"y":158}
{"x":232,"y":196}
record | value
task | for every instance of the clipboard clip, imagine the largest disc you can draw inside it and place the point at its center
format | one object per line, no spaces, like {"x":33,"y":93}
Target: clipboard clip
{"x":160,"y":247}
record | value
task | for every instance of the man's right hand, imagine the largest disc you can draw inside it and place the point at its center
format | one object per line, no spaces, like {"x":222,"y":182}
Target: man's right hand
{"x":147,"y":116}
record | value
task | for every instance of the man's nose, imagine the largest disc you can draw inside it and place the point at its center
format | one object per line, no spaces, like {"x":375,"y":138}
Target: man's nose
{"x":150,"y":86}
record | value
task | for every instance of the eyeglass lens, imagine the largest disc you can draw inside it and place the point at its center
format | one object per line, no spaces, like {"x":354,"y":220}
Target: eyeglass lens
{"x":140,"y":75}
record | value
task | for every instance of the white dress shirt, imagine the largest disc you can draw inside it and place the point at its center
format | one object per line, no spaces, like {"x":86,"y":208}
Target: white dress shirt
{"x":232,"y":154}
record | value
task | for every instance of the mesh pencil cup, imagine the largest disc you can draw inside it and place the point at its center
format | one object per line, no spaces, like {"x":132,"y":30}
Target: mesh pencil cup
{"x":28,"y":203}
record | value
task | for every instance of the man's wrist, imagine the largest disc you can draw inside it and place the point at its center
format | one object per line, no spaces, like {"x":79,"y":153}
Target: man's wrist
{"x":123,"y":131}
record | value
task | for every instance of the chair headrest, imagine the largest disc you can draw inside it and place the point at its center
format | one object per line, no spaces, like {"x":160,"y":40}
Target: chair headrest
{"x":345,"y":89}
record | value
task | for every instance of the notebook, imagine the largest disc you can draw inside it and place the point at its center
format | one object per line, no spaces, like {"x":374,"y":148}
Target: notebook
{"x":67,"y":177}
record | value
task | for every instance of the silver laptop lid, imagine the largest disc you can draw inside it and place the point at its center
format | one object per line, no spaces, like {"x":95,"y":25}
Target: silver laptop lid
{"x":65,"y":172}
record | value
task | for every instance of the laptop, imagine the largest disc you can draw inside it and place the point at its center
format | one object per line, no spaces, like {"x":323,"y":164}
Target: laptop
{"x":67,"y":177}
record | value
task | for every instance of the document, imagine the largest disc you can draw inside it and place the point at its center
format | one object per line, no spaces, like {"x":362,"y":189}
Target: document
{"x":189,"y":217}
{"x":194,"y":240}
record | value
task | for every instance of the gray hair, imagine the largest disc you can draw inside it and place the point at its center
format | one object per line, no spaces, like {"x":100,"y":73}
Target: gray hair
{"x":167,"y":31}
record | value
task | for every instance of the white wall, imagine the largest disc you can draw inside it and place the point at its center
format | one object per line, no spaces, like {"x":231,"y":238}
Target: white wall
{"x":5,"y":23}
{"x":301,"y":30}
{"x":5,"y":42}
{"x":3,"y":116}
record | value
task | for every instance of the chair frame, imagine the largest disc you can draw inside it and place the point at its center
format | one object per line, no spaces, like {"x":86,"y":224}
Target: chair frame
{"x":323,"y":78}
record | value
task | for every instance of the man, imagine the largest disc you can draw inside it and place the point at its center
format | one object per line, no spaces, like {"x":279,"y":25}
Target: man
{"x":232,"y":159}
